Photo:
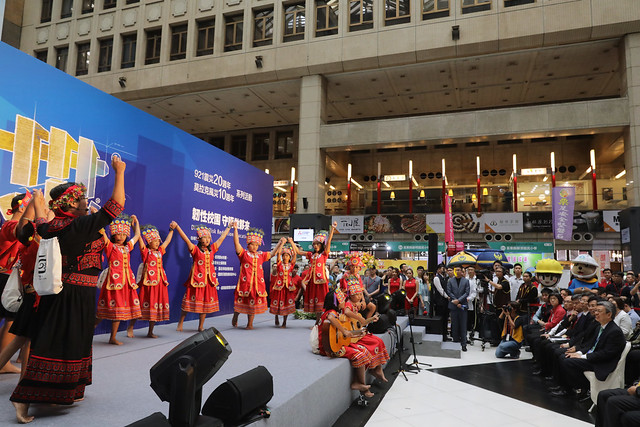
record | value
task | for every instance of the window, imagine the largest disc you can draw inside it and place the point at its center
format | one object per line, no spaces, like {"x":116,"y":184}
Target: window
{"x":294,"y":22}
{"x":397,"y":12}
{"x":41,"y":55}
{"x":178,"y":42}
{"x":87,"y":6}
{"x":360,"y":15}
{"x":508,"y":3}
{"x":62,"y":53}
{"x":152,"y":54}
{"x":263,"y":27}
{"x":132,"y":1}
{"x":47,"y":8}
{"x":432,"y":9}
{"x":233,"y":32}
{"x":128,"y":51}
{"x":239,"y":146}
{"x":106,"y":52}
{"x":326,"y":17}
{"x":67,"y":9}
{"x":217,"y":141}
{"x":82,"y":59}
{"x":260,"y":147}
{"x":109,"y":4}
{"x":284,"y":147}
{"x":470,"y":6}
{"x":205,"y":37}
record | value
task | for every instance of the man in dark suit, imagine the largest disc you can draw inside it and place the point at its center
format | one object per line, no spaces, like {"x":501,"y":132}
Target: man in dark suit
{"x":458,"y":289}
{"x":601,"y":358}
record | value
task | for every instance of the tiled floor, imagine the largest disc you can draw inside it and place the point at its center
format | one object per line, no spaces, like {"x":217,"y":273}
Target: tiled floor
{"x":431,"y":399}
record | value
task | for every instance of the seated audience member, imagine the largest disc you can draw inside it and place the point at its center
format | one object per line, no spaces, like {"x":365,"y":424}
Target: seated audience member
{"x":633,"y":315}
{"x":512,"y":335}
{"x":556,"y":315}
{"x":537,"y":343}
{"x":621,"y":317}
{"x":565,"y":292}
{"x":616,"y":285}
{"x":601,"y":358}
{"x":619,"y":407}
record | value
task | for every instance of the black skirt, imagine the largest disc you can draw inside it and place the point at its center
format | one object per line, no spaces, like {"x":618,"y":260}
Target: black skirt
{"x":25,"y":324}
{"x":59,"y":365}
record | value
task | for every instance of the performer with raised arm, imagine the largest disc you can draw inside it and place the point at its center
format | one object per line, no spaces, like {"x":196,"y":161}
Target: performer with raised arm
{"x":64,"y":332}
{"x":250,"y":297}
{"x":153,"y":283}
{"x":118,"y":299}
{"x":201,"y":295}
{"x":283,"y":288}
{"x":316,"y":281}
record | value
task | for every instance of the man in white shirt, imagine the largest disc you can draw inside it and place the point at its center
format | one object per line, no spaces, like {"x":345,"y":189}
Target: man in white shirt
{"x":516,"y":280}
{"x":633,"y":315}
{"x":621,"y":318}
{"x":471,"y":300}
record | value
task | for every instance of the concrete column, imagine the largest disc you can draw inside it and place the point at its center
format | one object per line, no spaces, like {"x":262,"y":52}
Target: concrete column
{"x":310,"y":172}
{"x":631,"y":88}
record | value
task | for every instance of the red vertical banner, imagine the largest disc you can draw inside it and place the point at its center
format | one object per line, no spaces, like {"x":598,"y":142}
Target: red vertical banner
{"x":448,"y":220}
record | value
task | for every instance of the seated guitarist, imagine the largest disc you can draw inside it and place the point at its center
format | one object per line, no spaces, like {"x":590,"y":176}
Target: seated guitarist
{"x":368,"y":353}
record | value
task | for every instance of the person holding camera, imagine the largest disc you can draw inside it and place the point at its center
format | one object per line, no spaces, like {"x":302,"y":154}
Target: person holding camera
{"x":512,"y":335}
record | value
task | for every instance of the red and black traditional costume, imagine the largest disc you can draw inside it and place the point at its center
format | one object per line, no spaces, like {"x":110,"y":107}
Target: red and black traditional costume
{"x":59,"y":366}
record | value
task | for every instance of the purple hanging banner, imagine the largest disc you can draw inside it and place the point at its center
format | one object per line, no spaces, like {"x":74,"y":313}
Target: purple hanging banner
{"x":563,"y":203}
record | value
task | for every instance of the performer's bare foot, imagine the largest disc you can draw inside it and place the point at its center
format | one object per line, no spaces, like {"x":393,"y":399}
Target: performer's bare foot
{"x":284,"y":326}
{"x":150,"y":335}
{"x":78,"y":399}
{"x":249,"y":327}
{"x":179,"y":328}
{"x":114,"y":341}
{"x":22,"y":410}
{"x":129,"y":334}
{"x":200,"y":329}
{"x":368,"y":394}
{"x":234,"y":320}
{"x":362,"y":388}
{"x":277,"y":321}
{"x":379,"y":373}
{"x":10,"y":368}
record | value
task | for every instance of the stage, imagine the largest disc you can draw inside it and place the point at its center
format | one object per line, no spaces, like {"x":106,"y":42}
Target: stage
{"x":306,"y":386}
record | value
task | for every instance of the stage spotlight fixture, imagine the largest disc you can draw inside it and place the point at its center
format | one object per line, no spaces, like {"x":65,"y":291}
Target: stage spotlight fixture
{"x":178,"y":377}
{"x":259,"y":61}
{"x":455,"y":32}
{"x":122,"y":81}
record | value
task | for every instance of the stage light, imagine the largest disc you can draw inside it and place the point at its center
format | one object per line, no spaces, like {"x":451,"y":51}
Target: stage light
{"x":259,"y":61}
{"x":178,"y":377}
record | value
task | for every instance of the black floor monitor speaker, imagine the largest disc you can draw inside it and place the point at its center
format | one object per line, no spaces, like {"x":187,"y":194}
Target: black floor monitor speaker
{"x":240,"y":396}
{"x":433,"y":253}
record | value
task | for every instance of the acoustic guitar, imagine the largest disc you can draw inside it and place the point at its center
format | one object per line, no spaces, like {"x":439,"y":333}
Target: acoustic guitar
{"x":336,"y":339}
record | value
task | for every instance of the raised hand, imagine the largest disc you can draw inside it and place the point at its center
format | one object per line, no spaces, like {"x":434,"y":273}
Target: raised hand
{"x":173,"y":225}
{"x":118,"y":165}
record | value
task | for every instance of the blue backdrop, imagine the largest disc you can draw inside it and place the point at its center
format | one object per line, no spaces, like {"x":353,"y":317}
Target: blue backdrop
{"x":55,"y":128}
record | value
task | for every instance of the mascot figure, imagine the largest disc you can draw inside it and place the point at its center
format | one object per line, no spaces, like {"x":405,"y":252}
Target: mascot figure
{"x":548,"y":273}
{"x":584,"y":271}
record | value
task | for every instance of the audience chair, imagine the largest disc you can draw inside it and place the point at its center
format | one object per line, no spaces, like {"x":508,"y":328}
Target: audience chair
{"x":614,"y":380}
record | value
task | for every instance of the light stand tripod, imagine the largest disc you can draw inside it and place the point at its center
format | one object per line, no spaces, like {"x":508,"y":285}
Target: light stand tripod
{"x":415,"y":364}
{"x":402,"y":367}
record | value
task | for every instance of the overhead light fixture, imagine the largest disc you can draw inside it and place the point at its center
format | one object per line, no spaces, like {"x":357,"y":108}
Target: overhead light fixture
{"x":588,"y":171}
{"x":473,"y":197}
{"x":349,"y":172}
{"x":621,"y":174}
{"x":592,"y":156}
{"x":259,"y":61}
{"x":281,"y":189}
{"x":444,"y":174}
{"x":545,"y":179}
{"x":553,"y":162}
{"x":392,"y":196}
{"x":293,"y":174}
{"x":332,"y":187}
{"x":422,"y":195}
{"x":450,"y":193}
{"x":478,"y":166}
{"x":356,"y":184}
{"x":410,"y":168}
{"x":386,"y":184}
{"x":485,"y":192}
{"x":414,"y":181}
{"x":515,"y":165}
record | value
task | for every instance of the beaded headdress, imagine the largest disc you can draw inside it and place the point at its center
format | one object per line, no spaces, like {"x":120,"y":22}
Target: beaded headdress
{"x":22,"y":203}
{"x":121,"y":225}
{"x":255,"y":235}
{"x":203,"y":231}
{"x":321,"y":237}
{"x":340,"y":298}
{"x":150,"y":233}
{"x":287,"y":249}
{"x":72,"y":194}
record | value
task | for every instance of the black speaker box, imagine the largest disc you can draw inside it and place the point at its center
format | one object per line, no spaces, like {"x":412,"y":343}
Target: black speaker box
{"x":433,"y":253}
{"x":240,"y":396}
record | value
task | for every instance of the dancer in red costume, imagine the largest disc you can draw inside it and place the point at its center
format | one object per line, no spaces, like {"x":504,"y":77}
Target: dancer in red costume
{"x":316,"y":281}
{"x":202,"y":295}
{"x":370,"y":354}
{"x":250,"y":297}
{"x":118,"y":299}
{"x":9,"y":248}
{"x":59,"y":366}
{"x":283,"y":289}
{"x":153,"y":283}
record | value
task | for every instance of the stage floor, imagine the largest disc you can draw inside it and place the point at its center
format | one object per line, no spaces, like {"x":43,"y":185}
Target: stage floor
{"x":305,"y":385}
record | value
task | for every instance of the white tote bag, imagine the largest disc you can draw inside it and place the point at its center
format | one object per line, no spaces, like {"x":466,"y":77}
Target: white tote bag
{"x":12,"y":294}
{"x":47,"y":277}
